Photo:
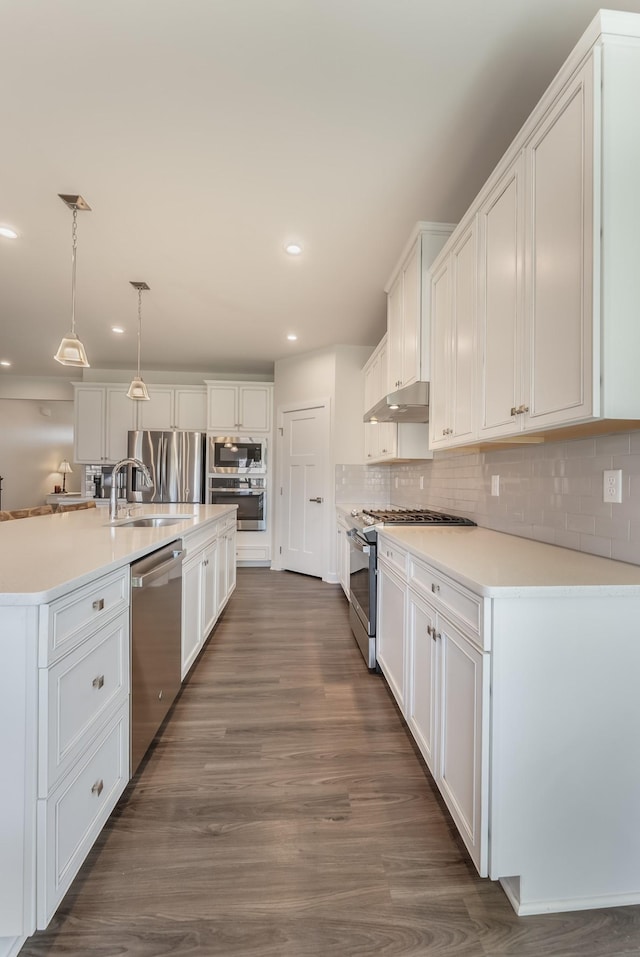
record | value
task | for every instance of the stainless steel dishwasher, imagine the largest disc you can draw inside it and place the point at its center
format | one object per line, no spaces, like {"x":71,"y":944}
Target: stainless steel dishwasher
{"x":156,"y":622}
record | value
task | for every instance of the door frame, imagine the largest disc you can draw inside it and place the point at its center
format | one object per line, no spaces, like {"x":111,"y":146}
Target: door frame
{"x":328,"y":571}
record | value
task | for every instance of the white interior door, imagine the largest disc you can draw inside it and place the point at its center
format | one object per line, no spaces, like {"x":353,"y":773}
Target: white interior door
{"x":305,"y":448}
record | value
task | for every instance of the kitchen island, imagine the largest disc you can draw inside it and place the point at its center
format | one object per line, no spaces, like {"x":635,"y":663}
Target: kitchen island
{"x":64,"y":682}
{"x":515,"y":665}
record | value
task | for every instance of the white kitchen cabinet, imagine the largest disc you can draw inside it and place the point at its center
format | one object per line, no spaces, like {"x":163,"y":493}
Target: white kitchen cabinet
{"x":192,"y":612}
{"x":103,"y":415}
{"x":454,"y":320}
{"x":226,"y":561}
{"x":558,"y":252}
{"x":391,"y":631}
{"x":239,"y":408}
{"x":173,"y":407}
{"x":408,"y":306}
{"x":422,"y":699}
{"x":209,"y":588}
{"x":501,"y":333}
{"x":343,"y":550}
{"x":375,"y":375}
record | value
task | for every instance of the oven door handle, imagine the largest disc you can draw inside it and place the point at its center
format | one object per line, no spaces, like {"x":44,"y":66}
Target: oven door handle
{"x":356,"y":542}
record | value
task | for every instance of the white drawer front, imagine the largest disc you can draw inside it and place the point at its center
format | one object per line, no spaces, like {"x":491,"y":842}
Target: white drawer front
{"x":394,"y":556}
{"x":75,"y":813}
{"x":77,"y":693}
{"x":464,"y":605}
{"x":75,"y":616}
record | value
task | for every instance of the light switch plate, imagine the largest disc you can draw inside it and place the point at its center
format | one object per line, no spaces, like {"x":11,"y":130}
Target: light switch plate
{"x":495,"y":484}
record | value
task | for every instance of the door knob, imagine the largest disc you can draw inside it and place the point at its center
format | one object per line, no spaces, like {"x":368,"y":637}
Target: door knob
{"x":319,"y":500}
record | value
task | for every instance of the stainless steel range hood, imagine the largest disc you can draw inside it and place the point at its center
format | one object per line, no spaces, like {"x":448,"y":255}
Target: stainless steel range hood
{"x":410,"y":404}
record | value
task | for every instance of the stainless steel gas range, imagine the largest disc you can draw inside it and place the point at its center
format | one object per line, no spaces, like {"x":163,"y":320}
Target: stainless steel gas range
{"x":363,"y":537}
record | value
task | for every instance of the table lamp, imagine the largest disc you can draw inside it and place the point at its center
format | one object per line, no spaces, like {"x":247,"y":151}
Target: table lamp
{"x":65,"y":468}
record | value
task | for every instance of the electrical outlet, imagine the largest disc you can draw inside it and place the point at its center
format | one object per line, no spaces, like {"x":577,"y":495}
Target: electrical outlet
{"x":612,"y":485}
{"x":495,"y":484}
{"x":421,"y":481}
{"x":396,"y":482}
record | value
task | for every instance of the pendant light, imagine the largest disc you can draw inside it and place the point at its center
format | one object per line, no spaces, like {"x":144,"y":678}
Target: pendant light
{"x":71,"y":351}
{"x":137,"y":389}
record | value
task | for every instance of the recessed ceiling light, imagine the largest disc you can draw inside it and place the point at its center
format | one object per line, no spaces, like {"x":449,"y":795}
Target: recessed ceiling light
{"x":4,"y":362}
{"x":294,"y":249}
{"x":8,"y":233}
{"x":291,"y":337}
{"x":117,"y":329}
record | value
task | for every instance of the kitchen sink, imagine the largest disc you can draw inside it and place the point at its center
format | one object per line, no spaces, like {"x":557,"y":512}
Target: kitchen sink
{"x":150,"y":521}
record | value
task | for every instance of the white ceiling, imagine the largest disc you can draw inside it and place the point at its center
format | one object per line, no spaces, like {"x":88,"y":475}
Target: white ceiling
{"x":207,"y":133}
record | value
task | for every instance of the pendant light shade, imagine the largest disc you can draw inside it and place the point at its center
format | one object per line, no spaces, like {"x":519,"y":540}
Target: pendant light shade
{"x":137,"y":389}
{"x":71,"y":352}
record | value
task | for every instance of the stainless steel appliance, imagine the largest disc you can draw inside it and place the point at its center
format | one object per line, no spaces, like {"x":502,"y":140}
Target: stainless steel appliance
{"x":175,"y":461}
{"x":156,"y":625}
{"x":248,"y":492}
{"x":363,"y":561}
{"x":236,"y":454}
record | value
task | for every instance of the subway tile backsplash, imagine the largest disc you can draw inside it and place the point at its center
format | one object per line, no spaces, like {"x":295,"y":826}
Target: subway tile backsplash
{"x":549,"y":492}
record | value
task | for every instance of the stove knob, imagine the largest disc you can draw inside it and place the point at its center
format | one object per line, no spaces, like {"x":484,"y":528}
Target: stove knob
{"x":355,"y":512}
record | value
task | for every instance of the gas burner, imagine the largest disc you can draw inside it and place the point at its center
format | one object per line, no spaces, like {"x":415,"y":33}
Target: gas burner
{"x":411,"y":516}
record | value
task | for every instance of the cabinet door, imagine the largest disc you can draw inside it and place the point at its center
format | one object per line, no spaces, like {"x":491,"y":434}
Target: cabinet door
{"x":411,"y":316}
{"x":120,"y":420}
{"x":463,"y":331}
{"x":390,"y":651}
{"x":501,"y":305}
{"x":440,"y":355}
{"x":209,"y":585}
{"x":89,"y":424}
{"x":222,"y":415}
{"x":157,"y":413}
{"x":190,"y":409}
{"x":462,"y":764}
{"x":387,"y":440}
{"x":191,"y":611}
{"x":423,"y":677}
{"x":394,"y":336}
{"x":560,"y":259}
{"x":231,"y":559}
{"x":254,"y":408}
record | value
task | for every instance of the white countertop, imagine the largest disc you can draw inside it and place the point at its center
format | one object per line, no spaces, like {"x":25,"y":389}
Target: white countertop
{"x":43,"y":557}
{"x":494,"y":564}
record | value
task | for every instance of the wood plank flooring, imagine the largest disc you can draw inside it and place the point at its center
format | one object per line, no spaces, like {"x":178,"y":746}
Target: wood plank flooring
{"x":284,"y":812}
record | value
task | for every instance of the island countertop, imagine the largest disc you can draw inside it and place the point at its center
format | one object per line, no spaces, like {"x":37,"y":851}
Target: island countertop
{"x":44,"y":557}
{"x":494,"y":564}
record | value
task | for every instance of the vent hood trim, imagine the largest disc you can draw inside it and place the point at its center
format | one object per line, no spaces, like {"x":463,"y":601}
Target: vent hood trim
{"x":412,"y":405}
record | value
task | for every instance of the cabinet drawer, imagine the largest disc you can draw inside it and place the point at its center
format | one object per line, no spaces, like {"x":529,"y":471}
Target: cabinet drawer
{"x":72,"y":817}
{"x":76,"y":694}
{"x":69,"y":620}
{"x":392,"y":555}
{"x":463,"y":604}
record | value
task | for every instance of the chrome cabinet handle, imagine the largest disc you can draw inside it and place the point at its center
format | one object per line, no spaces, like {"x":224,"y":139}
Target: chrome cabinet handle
{"x":98,"y":682}
{"x":98,"y":605}
{"x":435,"y":588}
{"x":519,"y":410}
{"x":319,"y":500}
{"x":98,"y":787}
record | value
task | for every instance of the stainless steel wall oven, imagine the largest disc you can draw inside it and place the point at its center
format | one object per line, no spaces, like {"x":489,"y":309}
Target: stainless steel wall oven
{"x":248,"y":492}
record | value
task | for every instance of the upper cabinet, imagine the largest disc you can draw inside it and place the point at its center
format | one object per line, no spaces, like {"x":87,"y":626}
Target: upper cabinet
{"x":174,"y":407}
{"x":239,"y":407}
{"x":554,"y":313}
{"x":453,"y":342}
{"x":103,"y":415}
{"x":408,"y":307}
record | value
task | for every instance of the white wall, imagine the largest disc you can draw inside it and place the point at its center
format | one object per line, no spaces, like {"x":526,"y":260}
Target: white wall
{"x":35,"y":436}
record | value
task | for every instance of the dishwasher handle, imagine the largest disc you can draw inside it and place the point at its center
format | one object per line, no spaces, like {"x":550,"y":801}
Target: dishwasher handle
{"x":161,"y":570}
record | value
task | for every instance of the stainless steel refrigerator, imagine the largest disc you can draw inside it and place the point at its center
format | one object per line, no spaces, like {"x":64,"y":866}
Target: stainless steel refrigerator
{"x":176,"y":463}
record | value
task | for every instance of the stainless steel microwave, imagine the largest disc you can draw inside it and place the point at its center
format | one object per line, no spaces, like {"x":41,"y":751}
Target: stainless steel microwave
{"x":237,"y":454}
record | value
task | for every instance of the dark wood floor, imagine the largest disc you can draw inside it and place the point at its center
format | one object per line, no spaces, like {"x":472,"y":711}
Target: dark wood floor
{"x":283,"y":812}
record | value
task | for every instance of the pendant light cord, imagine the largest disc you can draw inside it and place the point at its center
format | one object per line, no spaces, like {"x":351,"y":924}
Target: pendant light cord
{"x":139,"y":326}
{"x":74,"y":246}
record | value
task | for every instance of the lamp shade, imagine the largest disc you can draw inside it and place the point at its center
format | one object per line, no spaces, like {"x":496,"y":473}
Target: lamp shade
{"x":138,"y":390}
{"x":71,"y":352}
{"x":65,"y":467}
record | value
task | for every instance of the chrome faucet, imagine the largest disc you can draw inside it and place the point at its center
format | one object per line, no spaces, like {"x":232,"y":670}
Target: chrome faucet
{"x":117,"y":468}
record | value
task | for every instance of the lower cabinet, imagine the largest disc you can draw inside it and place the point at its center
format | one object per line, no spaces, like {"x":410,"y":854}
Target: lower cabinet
{"x":343,"y":554}
{"x":439,"y":675}
{"x":208,"y":579}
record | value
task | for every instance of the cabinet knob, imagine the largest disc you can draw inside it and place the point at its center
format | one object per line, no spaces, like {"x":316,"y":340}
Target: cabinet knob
{"x":514,"y":411}
{"x":98,"y":605}
{"x":98,"y":787}
{"x":435,"y":588}
{"x":98,"y":682}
